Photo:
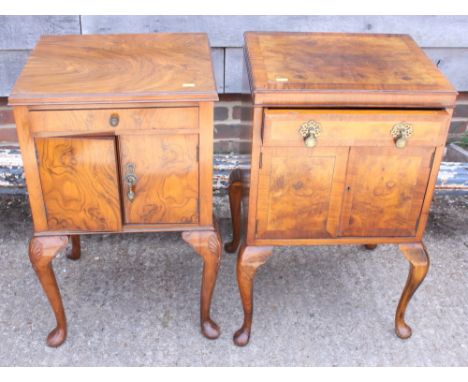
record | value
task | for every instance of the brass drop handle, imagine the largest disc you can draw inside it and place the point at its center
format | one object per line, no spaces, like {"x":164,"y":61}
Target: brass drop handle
{"x":400,"y":133}
{"x":310,"y":130}
{"x":114,"y":120}
{"x":131,"y":180}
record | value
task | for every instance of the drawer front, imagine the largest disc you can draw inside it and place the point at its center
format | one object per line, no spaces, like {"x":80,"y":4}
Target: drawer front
{"x":355,"y":127}
{"x":113,"y":120}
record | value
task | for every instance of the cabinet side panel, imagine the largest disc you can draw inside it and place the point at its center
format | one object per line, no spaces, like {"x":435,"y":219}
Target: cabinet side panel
{"x":31,"y":171}
{"x":206,"y":163}
{"x":438,"y":155}
{"x":254,"y":172}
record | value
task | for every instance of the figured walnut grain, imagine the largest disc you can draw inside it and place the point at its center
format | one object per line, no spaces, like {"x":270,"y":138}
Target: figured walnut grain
{"x":79,"y":183}
{"x":166,"y":167}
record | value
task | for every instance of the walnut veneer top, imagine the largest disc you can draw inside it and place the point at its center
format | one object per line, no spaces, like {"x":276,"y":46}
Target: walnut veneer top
{"x":117,"y":68}
{"x":365,"y":68}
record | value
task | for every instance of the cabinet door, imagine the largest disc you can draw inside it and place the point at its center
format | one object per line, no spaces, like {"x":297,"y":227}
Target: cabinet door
{"x":300,"y":192}
{"x":166,"y":171}
{"x":385,"y":190}
{"x":79,"y":183}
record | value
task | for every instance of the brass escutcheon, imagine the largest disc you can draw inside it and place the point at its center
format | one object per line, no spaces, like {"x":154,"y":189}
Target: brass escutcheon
{"x":131,"y":180}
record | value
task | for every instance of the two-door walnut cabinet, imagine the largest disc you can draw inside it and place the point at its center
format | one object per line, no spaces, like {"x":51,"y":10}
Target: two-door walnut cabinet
{"x":116,"y":135}
{"x":348,"y":135}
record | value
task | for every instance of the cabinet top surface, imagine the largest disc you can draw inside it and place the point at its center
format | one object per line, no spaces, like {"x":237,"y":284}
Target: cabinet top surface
{"x":117,"y":68}
{"x":341,"y":62}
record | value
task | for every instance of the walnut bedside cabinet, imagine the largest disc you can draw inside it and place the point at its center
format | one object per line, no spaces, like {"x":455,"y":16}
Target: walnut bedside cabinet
{"x":116,"y":135}
{"x":348,"y":135}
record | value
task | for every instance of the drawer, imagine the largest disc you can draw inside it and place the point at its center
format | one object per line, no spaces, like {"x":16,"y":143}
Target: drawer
{"x":118,"y":120}
{"x":355,"y":127}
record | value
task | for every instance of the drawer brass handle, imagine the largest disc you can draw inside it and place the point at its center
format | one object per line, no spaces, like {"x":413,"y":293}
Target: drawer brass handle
{"x":114,"y":120}
{"x":310,"y":130}
{"x":401,"y":132}
{"x":131,"y":180}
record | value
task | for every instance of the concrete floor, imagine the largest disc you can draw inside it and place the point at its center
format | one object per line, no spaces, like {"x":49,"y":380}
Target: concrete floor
{"x":133,"y":300}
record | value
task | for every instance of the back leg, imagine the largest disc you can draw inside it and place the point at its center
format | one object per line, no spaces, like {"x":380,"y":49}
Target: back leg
{"x":235,"y":201}
{"x":74,"y":252}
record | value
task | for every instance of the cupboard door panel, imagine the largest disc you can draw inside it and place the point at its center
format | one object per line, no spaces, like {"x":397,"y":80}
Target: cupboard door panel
{"x":385,"y":190}
{"x":300,"y":192}
{"x":166,"y":170}
{"x":79,"y":183}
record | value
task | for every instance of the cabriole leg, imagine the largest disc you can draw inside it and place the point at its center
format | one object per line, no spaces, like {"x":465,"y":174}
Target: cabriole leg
{"x":74,"y":253}
{"x":235,"y":201}
{"x":248,"y":260}
{"x":207,"y":244}
{"x":418,"y":258}
{"x":42,"y":250}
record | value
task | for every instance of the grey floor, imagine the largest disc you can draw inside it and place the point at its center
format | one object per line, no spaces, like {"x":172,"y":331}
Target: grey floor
{"x":133,"y":300}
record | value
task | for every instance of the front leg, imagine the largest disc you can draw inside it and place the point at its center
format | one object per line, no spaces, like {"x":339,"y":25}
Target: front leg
{"x":74,"y":253}
{"x":42,"y":251}
{"x":248,"y":260}
{"x":208,"y":245}
{"x":417,"y":255}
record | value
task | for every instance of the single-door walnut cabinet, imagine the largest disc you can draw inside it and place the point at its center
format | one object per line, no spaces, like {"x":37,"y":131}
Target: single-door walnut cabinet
{"x":116,"y":135}
{"x":348,"y":134}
